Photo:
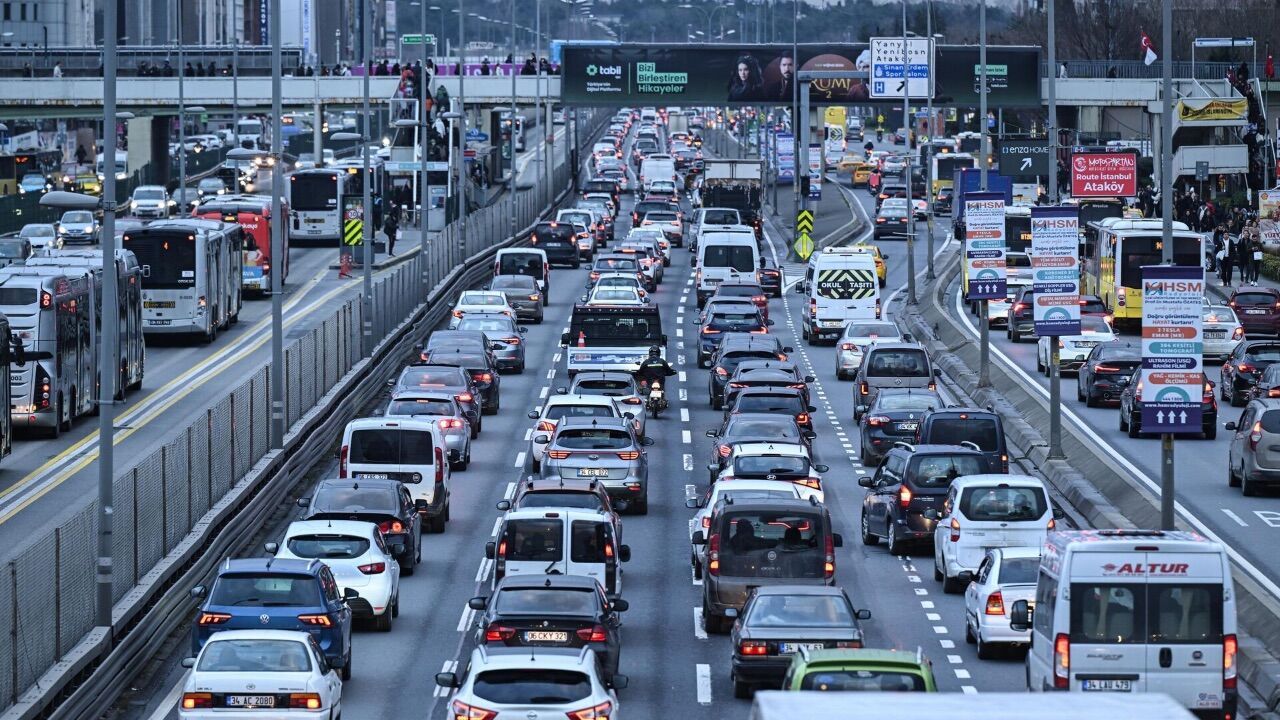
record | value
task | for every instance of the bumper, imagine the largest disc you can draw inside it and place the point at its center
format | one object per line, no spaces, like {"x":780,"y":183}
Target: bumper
{"x":1219,"y":348}
{"x":761,"y":670}
{"x":847,"y":360}
{"x":995,"y":629}
{"x":528,"y":310}
{"x":631,"y":488}
{"x":457,"y":441}
{"x":878,"y":444}
{"x":76,"y":238}
{"x":1024,"y":326}
{"x":826,"y":328}
{"x":173,"y":326}
{"x":568,"y":256}
{"x":1264,"y":476}
{"x":508,"y":359}
{"x":40,"y":419}
{"x":238,"y":714}
{"x":1109,"y":392}
{"x":374,"y":600}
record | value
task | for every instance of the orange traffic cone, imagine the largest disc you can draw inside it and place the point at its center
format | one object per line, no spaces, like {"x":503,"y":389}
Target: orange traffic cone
{"x":582,"y":339}
{"x":344,"y":266}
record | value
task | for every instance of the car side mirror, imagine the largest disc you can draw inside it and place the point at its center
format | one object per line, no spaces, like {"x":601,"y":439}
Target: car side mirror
{"x":522,"y":329}
{"x":768,"y":322}
{"x":822,"y":468}
{"x":799,"y":289}
{"x":534,"y":414}
{"x":271,"y":548}
{"x":198,"y":591}
{"x":934,"y":372}
{"x":1020,"y":616}
{"x":863,"y":614}
{"x":490,"y":550}
{"x":965,"y":577}
{"x":624,"y":553}
{"x":731,"y":613}
{"x":1059,"y":513}
{"x":861,"y":409}
{"x":713,"y":433}
{"x":478,"y":603}
{"x":693,"y":503}
{"x":397,"y":549}
{"x":350,"y":593}
{"x":629,"y":415}
{"x":931,"y":514}
{"x":617,"y":604}
{"x":504,"y":505}
{"x":809,"y":378}
{"x":837,"y":540}
{"x":564,"y":339}
{"x":449,"y":680}
{"x":1231,"y":426}
{"x":619,"y":681}
{"x":542,"y":439}
{"x":304,"y":501}
{"x":189,"y":662}
{"x":699,"y":538}
{"x":866,"y":482}
{"x":812,"y":408}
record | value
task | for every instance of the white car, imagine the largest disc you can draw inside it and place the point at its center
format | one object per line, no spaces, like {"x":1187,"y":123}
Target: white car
{"x":617,"y":385}
{"x":998,"y":308}
{"x":645,"y":234}
{"x":1073,"y":350}
{"x":739,"y":489}
{"x":620,"y":280}
{"x":359,"y":558}
{"x":561,"y":406}
{"x":1005,"y":576}
{"x":41,"y":236}
{"x":277,"y":673}
{"x":515,"y":682}
{"x":479,"y":301}
{"x":615,"y":296}
{"x":857,"y":335}
{"x":783,"y":463}
{"x":1222,"y":330}
{"x":982,"y":512}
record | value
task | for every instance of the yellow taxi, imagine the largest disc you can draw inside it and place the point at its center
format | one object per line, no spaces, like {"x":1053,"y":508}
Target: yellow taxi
{"x":882,"y":272}
{"x":861,"y":174}
{"x":849,"y":161}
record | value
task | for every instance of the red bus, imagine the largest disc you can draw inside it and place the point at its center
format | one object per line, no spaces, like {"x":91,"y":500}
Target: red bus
{"x":253,"y":213}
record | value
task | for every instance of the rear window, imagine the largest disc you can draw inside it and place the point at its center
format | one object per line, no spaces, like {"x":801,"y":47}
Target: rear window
{"x":593,"y":439}
{"x":1118,"y":613}
{"x":1003,"y":504}
{"x":567,"y":499}
{"x":937,"y":471}
{"x":1254,"y":298}
{"x":488,"y":325}
{"x":862,"y":681}
{"x":905,"y":362}
{"x":410,"y":408}
{"x":734,"y":320}
{"x":660,"y":216}
{"x":255,"y":656}
{"x":874,"y":331}
{"x":353,"y":497}
{"x":739,"y":290}
{"x":391,"y":446}
{"x":762,"y":465}
{"x":538,"y":686}
{"x":1264,"y":353}
{"x":588,"y":540}
{"x":561,"y":232}
{"x":335,"y":547}
{"x":512,"y":282}
{"x":1271,"y":421}
{"x":770,"y":404}
{"x":523,"y":264}
{"x":266,"y":591}
{"x":906,"y":402}
{"x":720,"y":217}
{"x":739,"y":257}
{"x":983,"y":432}
{"x":1019,"y":571}
{"x":809,"y":611}
{"x":771,"y":545}
{"x":534,"y":539}
{"x":763,"y":428}
{"x":614,"y":264}
{"x":557,"y":412}
{"x":545,"y":601}
{"x":610,"y":388}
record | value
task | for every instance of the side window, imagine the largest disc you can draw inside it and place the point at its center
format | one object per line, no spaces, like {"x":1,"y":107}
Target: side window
{"x":1046,"y":595}
{"x":321,"y":661}
{"x":949,"y":505}
{"x":381,"y":542}
{"x":1246,"y":419}
{"x":329,"y":585}
{"x":895,"y":467}
{"x":984,"y":567}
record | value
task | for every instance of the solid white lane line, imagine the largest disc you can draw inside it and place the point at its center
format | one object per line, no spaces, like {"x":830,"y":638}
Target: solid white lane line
{"x":520,"y":460}
{"x":528,"y":434}
{"x":1235,"y":517}
{"x":704,"y":684}
{"x":497,"y":525}
{"x":698,"y":631}
{"x":483,"y":572}
{"x":170,"y":701}
{"x":511,"y":490}
{"x":464,"y":622}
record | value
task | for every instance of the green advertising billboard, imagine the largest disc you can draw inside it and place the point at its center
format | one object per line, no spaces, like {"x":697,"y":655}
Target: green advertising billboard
{"x":626,"y":74}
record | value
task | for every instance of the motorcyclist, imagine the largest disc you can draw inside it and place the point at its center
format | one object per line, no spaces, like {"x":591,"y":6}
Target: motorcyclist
{"x":654,"y":367}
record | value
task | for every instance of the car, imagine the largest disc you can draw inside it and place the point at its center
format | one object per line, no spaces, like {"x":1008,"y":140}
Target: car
{"x":558,"y":407}
{"x":411,"y":450}
{"x":1004,"y":576}
{"x":1252,"y":459}
{"x":1221,"y":331}
{"x":42,"y":236}
{"x":894,"y":164}
{"x":890,"y":222}
{"x":604,"y":448}
{"x":444,"y":408}
{"x":185,"y":199}
{"x":649,"y":258}
{"x":767,"y":373}
{"x":386,"y":503}
{"x":210,"y":186}
{"x":751,"y":291}
{"x":912,"y":480}
{"x":481,"y":301}
{"x":619,"y":263}
{"x":857,"y":336}
{"x":621,"y":281}
{"x":444,"y":378}
{"x":779,"y":462}
{"x":668,"y":222}
{"x":1131,"y":407}
{"x":15,"y":251}
{"x":998,"y":308}
{"x":615,"y":296}
{"x":1105,"y":372}
{"x":33,"y":182}
{"x":534,"y":492}
{"x":982,"y":512}
{"x":750,"y":428}
{"x":652,"y":234}
{"x":1258,"y":309}
{"x":969,"y":426}
{"x":774,"y":400}
{"x":727,"y":317}
{"x":480,"y":366}
{"x":1074,"y":349}
{"x":78,"y":226}
{"x":770,"y":277}
{"x":1020,"y":321}
{"x":552,"y":611}
{"x":620,"y":386}
{"x":559,"y":240}
{"x":943,"y":200}
{"x":283,"y":673}
{"x":1268,"y":385}
{"x":504,"y":336}
{"x":738,"y":489}
{"x":503,"y":682}
{"x":298,"y":595}
{"x":735,"y":348}
{"x":778,"y":620}
{"x":588,"y":226}
{"x":885,"y":364}
{"x":523,"y":295}
{"x":860,"y":670}
{"x":1242,"y":369}
{"x":360,"y":558}
{"x":893,"y":417}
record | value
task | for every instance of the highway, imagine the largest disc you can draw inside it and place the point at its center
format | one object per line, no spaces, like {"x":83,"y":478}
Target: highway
{"x":673,"y":665}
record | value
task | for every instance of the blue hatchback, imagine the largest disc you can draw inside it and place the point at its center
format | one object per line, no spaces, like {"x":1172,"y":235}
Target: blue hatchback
{"x":274,"y":594}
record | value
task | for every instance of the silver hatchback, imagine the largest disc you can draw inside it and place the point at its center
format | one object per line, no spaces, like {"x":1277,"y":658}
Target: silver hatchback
{"x":503,"y":335}
{"x":449,"y":414}
{"x":1253,"y":458}
{"x":604,"y":449}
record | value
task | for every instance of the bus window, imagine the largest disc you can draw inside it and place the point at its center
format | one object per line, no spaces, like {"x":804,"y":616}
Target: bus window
{"x":312,"y":192}
{"x":168,"y":262}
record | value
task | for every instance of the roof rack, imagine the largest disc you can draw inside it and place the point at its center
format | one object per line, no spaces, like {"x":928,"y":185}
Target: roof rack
{"x":905,"y":446}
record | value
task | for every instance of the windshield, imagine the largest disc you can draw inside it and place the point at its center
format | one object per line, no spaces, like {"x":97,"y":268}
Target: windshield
{"x":545,"y":601}
{"x":255,"y":656}
{"x":862,"y":681}
{"x":739,"y":257}
{"x":1003,"y":504}
{"x":981,"y":431}
{"x":533,"y":540}
{"x":593,"y":439}
{"x":311,"y":192}
{"x":720,"y":217}
{"x":141,"y":194}
{"x":558,"y":412}
{"x":1137,"y":252}
{"x":538,"y":686}
{"x":167,"y":258}
{"x":903,"y":362}
{"x":937,"y":471}
{"x":391,"y":446}
{"x":266,"y":591}
{"x":79,"y":217}
{"x":739,"y":428}
{"x":420,"y":406}
{"x":761,"y":465}
{"x":40,"y":230}
{"x":1018,"y":571}
{"x":808,"y":611}
{"x":771,"y":544}
{"x":333,"y":547}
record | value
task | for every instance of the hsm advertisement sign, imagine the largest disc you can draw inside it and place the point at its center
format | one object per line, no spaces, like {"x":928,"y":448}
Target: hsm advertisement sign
{"x":984,"y":245}
{"x":1172,"y":348}
{"x":786,"y":158}
{"x":1055,"y":270}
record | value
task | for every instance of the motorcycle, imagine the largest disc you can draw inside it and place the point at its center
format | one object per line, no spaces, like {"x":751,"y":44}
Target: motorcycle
{"x":656,"y":399}
{"x":879,"y":136}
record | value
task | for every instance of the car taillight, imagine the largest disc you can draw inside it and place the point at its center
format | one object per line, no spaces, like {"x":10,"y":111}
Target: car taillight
{"x":904,"y":496}
{"x":753,"y":647}
{"x":342,"y":461}
{"x":316,"y":620}
{"x":721,"y":371}
{"x":796,"y":386}
{"x":211,"y":618}
{"x":848,"y":347}
{"x":439,"y":457}
{"x":995,"y":603}
{"x":829,"y":563}
{"x":813,"y":307}
{"x":305,"y":701}
{"x":1238,"y":334}
{"x":724,"y":450}
{"x":1229,"y":649}
{"x":955,"y":530}
{"x":596,"y":712}
{"x":391,"y":526}
{"x":462,"y":711}
{"x":877,"y":420}
{"x":546,"y":426}
{"x":802,"y":419}
{"x":880,"y":220}
{"x":498,"y":633}
{"x":592,"y":634}
{"x":457,"y":313}
{"x":706,"y":521}
{"x":558,"y":454}
{"x":373,"y":568}
{"x":44,"y":381}
{"x":1062,"y":661}
{"x":1255,"y":435}
{"x":812,"y":483}
{"x":863,"y":389}
{"x":450,"y":423}
{"x":1245,"y":367}
{"x":629,"y":455}
{"x":464,"y":397}
{"x":192,"y":701}
{"x":713,"y":554}
{"x":483,"y":377}
{"x":710,"y":331}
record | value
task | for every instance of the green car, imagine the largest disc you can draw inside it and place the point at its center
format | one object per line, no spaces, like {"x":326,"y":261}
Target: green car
{"x":860,"y":670}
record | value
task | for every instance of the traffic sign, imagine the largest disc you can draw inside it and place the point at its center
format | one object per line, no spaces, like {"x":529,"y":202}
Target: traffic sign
{"x":1172,"y":373}
{"x":417,"y":39}
{"x":803,"y":246}
{"x":1202,"y":170}
{"x":888,"y":81}
{"x":353,"y":232}
{"x":804,"y":221}
{"x":474,"y":135}
{"x":1024,"y":157}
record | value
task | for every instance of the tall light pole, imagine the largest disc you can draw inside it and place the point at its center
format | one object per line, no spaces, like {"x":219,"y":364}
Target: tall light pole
{"x":1051,"y":129}
{"x":511,"y":136}
{"x":928,"y":192}
{"x":235,"y":77}
{"x":462,"y":126}
{"x":366,"y":43}
{"x":277,"y":229}
{"x":911,"y":183}
{"x":182,"y":118}
{"x":984,"y":345}
{"x":1167,"y":496}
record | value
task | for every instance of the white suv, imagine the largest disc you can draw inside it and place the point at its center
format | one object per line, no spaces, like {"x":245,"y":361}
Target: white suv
{"x":508,"y":681}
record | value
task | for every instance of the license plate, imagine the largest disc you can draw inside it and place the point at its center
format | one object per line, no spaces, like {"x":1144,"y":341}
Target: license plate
{"x":158,"y":304}
{"x":1107,"y":685}
{"x":1085,"y":343}
{"x":789,"y":648}
{"x":251,"y":701}
{"x":314,"y":221}
{"x":593,"y":472}
{"x":1215,"y":334}
{"x":546,"y":636}
{"x":831,"y":323}
{"x":1255,"y":312}
{"x":908,"y":426}
{"x":159,"y":322}
{"x":373,"y":476}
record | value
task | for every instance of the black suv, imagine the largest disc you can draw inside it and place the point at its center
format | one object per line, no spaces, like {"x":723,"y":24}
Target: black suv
{"x":559,"y":240}
{"x":911,"y":481}
{"x":1020,"y":321}
{"x":1131,"y":407}
{"x":1243,"y":367}
{"x":733,"y":349}
{"x":957,"y":425}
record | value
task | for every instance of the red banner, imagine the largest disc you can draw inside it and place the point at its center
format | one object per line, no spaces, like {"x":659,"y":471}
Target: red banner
{"x":1104,"y":174}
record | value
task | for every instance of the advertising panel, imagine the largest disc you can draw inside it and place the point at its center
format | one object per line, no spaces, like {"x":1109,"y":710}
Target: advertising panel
{"x":785,"y":144}
{"x":1104,"y":174}
{"x":984,"y":245}
{"x":815,"y":171}
{"x":1172,"y":348}
{"x":1055,"y":270}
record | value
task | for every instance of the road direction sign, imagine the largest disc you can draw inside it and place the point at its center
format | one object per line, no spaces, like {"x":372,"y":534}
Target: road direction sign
{"x":803,"y":246}
{"x":1024,"y":157}
{"x":804,"y":221}
{"x":1172,"y":363}
{"x":417,"y":39}
{"x":887,"y":76}
{"x":353,"y":232}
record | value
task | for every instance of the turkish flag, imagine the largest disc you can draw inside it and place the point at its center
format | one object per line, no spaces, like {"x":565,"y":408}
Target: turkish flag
{"x":1149,"y":55}
{"x":1271,"y":65}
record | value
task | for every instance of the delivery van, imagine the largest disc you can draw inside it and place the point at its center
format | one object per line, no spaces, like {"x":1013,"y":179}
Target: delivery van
{"x":559,"y":541}
{"x":842,"y":285}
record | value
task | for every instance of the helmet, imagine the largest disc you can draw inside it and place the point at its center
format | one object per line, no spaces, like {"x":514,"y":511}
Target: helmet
{"x":655,"y":351}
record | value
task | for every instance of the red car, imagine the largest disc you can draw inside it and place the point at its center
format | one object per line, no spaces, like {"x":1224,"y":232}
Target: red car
{"x":1258,"y":309}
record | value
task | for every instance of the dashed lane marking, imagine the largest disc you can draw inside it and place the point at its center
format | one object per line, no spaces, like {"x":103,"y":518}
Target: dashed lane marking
{"x":684,"y":415}
{"x":1235,"y":517}
{"x":543,"y":395}
{"x":961,"y":673}
{"x":520,"y":460}
{"x":704,"y":683}
{"x":933,"y":617}
{"x":968,"y":690}
{"x":511,"y":491}
{"x":681,"y":376}
{"x":698,"y":631}
{"x":947,"y":644}
{"x":497,"y":525}
{"x":926,"y":604}
{"x":464,"y":622}
{"x":687,"y":464}
{"x":955,"y":659}
{"x":940,"y":629}
{"x":551,"y":373}
{"x":483,"y":572}
{"x":686,"y":437}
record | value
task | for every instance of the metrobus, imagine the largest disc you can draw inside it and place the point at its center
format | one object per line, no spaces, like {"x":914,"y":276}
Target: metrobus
{"x":52,"y":310}
{"x":1114,"y":269}
{"x":969,"y":142}
{"x":1017,"y":229}
{"x":316,"y":198}
{"x":191,"y":275}
{"x":944,"y":169}
{"x":132,"y":347}
{"x":253,"y":214}
{"x":611,"y":337}
{"x":1093,"y":210}
{"x":932,"y":148}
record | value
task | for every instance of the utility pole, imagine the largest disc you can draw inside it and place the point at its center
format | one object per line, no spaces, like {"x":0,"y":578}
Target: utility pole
{"x":462,"y":128}
{"x":911,"y":183}
{"x":798,"y":151}
{"x":1167,"y":495}
{"x":182,"y":118}
{"x":929,"y":179}
{"x":984,"y":346}
{"x":277,"y":229}
{"x":511,"y":136}
{"x":1051,"y":129}
{"x":366,"y":42}
{"x":424,"y":129}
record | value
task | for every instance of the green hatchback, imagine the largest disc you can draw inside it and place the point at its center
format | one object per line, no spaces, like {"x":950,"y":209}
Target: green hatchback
{"x":860,"y":670}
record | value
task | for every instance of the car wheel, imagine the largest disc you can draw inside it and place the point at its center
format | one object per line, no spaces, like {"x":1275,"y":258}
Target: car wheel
{"x":1246,"y":487}
{"x":435,"y":525}
{"x":641,"y":507}
{"x":713,"y":624}
{"x":951,"y":586}
{"x":985,"y":650}
{"x":867,"y":537}
{"x":1090,"y":400}
{"x":535,"y":465}
{"x":717,"y":403}
{"x":1015,"y":336}
{"x":741,"y":690}
{"x":1237,"y":399}
{"x":697,"y":568}
{"x":1211,"y":431}
{"x":1133,"y":426}
{"x":1080,"y":393}
{"x":1222,"y":388}
{"x":1232,"y":480}
{"x":1123,"y":425}
{"x":896,"y":546}
{"x":346,"y":668}
{"x":1040,"y":366}
{"x":407,"y":567}
{"x":968,"y":632}
{"x":382,"y":623}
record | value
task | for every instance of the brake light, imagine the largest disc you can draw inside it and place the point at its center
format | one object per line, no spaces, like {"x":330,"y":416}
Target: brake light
{"x":546,"y":426}
{"x":904,"y":496}
{"x":558,"y":454}
{"x":1255,"y":435}
{"x":498,"y":633}
{"x":596,"y":712}
{"x":1019,"y":307}
{"x":210,"y":618}
{"x":464,"y":397}
{"x":955,"y":530}
{"x":713,"y":554}
{"x":721,"y":371}
{"x":629,"y":455}
{"x":829,"y":564}
{"x":373,"y":568}
{"x":305,"y":701}
{"x":594,"y":634}
{"x":463,"y":711}
{"x":1208,"y":392}
{"x":796,"y":386}
{"x":450,"y":423}
{"x":813,"y":307}
{"x":877,"y":420}
{"x":802,"y":419}
{"x":391,"y":526}
{"x":1230,"y":647}
{"x":995,"y":603}
{"x":810,"y":482}
{"x":709,"y":331}
{"x":724,"y":450}
{"x":439,"y":457}
{"x":1238,"y":334}
{"x":753,"y":647}
{"x":316,"y":620}
{"x":483,"y":377}
{"x":46,"y":299}
{"x":1245,"y":367}
{"x":1062,"y":661}
{"x":1103,"y":367}
{"x":848,"y":347}
{"x":191,"y":701}
{"x":457,"y":313}
{"x":863,"y":389}
{"x":342,"y":461}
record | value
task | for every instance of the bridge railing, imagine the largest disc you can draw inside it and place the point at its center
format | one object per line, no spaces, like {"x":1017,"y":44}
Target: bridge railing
{"x":1138,"y":70}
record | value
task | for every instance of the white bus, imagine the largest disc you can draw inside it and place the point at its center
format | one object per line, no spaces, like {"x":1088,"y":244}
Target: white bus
{"x":191,"y":275}
{"x":133,"y":350}
{"x":316,"y":199}
{"x":51,"y":311}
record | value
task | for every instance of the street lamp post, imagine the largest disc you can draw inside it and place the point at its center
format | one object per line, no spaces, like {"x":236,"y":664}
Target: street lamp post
{"x":906,"y":129}
{"x":366,"y":42}
{"x":278,"y":419}
{"x":511,"y":136}
{"x":462,"y":127}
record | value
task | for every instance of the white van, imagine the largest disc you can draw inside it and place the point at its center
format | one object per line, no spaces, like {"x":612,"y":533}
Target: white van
{"x":657,"y":167}
{"x":726,"y":253}
{"x":842,"y":285}
{"x":558,"y":541}
{"x":982,"y":512}
{"x":524,"y":261}
{"x":712,"y":216}
{"x":1134,"y":611}
{"x":411,"y":451}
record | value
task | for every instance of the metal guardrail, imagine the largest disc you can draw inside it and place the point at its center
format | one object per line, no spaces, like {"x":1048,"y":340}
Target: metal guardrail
{"x":1138,"y":70}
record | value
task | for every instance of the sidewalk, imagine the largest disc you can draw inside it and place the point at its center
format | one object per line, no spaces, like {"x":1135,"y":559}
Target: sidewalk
{"x":1224,"y":293}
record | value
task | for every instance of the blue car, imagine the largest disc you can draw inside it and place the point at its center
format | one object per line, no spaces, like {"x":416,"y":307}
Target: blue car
{"x":272,"y":594}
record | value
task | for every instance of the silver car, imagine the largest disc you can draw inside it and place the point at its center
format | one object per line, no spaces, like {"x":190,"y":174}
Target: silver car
{"x":453,"y":422}
{"x":1005,"y":576}
{"x":41,"y":236}
{"x":77,"y":226}
{"x":1222,"y":331}
{"x":522,"y":295}
{"x":503,"y":335}
{"x":618,"y":385}
{"x":605,"y":449}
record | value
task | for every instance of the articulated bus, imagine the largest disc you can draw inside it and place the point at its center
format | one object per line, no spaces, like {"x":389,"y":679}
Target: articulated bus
{"x":1094,"y":210}
{"x":191,"y":275}
{"x":132,"y":349}
{"x":253,"y":214}
{"x":52,"y":310}
{"x":316,"y":199}
{"x":1114,"y":270}
{"x":945,"y":167}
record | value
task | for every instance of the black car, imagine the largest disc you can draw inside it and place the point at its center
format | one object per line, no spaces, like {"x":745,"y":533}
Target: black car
{"x":779,"y":620}
{"x":774,"y":401}
{"x":942,"y":201}
{"x":911,"y":481}
{"x":894,"y":416}
{"x":552,"y":611}
{"x":767,"y":374}
{"x":1131,"y":407}
{"x":983,"y":429}
{"x":1105,"y":373}
{"x":481,"y":368}
{"x":464,"y":340}
{"x":735,"y":348}
{"x":644,"y":207}
{"x":601,"y":185}
{"x":770,"y":277}
{"x":1268,"y":385}
{"x":450,"y":378}
{"x":1244,"y":366}
{"x":751,"y":427}
{"x":385,"y":503}
{"x":1020,"y":321}
{"x":559,"y":241}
